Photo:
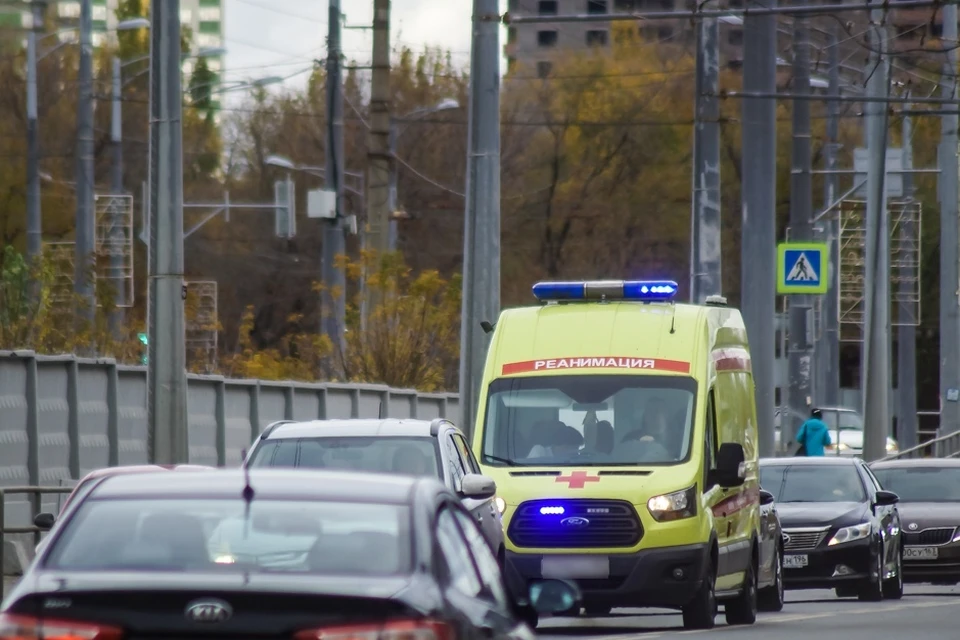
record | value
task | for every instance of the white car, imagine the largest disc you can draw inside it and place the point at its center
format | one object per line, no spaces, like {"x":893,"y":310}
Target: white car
{"x":846,"y":432}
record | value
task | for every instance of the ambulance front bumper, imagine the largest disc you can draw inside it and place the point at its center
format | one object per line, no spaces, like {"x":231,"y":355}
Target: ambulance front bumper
{"x":666,"y":577}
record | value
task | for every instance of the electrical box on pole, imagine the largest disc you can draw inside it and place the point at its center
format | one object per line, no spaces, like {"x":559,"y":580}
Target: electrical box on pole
{"x":286,"y":211}
{"x":322,"y":203}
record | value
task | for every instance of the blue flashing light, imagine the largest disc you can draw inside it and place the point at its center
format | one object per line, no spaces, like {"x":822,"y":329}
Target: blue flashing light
{"x":638,"y":290}
{"x":551,"y":511}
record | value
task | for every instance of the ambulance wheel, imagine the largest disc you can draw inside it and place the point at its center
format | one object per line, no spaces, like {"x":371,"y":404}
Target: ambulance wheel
{"x":701,"y":612}
{"x":743,"y":609}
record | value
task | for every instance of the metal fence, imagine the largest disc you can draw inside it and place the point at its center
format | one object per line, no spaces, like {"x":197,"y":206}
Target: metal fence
{"x":63,"y":416}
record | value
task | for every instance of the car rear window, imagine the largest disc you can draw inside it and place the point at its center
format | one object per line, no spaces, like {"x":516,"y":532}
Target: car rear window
{"x":812,"y":483}
{"x":416,"y":456}
{"x":314,"y":537}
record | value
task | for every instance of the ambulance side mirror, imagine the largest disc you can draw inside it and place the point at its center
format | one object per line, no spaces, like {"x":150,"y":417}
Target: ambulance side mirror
{"x":731,"y":469}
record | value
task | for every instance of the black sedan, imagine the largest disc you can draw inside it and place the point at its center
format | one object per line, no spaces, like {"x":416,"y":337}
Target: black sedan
{"x":841,"y":529}
{"x":929,"y":491}
{"x":299,"y":555}
{"x":770,"y":593}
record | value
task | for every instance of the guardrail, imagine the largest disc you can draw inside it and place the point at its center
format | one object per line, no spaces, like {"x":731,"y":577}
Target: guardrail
{"x":34,"y":493}
{"x":947,"y":446}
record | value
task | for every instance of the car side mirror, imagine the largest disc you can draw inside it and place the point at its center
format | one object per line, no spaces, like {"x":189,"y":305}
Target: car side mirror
{"x":478,"y":487}
{"x":44,"y":521}
{"x":731,"y":469}
{"x":765,"y":497}
{"x":554,"y":596}
{"x":885,"y":499}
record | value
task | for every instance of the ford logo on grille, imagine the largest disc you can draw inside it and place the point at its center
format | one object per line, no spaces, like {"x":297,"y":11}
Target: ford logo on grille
{"x":575,"y":522}
{"x":209,"y":611}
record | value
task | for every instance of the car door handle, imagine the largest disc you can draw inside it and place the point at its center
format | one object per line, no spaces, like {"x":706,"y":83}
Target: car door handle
{"x":479,"y":517}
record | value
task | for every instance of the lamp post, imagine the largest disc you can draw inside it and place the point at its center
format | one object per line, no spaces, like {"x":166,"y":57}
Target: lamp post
{"x":446,"y":104}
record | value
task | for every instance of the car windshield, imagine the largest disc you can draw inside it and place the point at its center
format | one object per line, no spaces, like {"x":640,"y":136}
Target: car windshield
{"x":595,"y":420}
{"x":217,"y":535}
{"x":812,"y":483}
{"x":416,"y":456}
{"x":921,"y":484}
{"x":847,"y":420}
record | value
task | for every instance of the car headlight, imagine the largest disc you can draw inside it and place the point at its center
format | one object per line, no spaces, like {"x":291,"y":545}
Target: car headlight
{"x":673,"y":506}
{"x":850,"y":534}
{"x":892,"y":446}
{"x":837,"y":447}
{"x":501,"y":505}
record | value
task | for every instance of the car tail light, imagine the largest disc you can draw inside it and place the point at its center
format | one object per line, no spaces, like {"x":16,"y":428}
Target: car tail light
{"x":16,"y":627}
{"x":423,"y":629}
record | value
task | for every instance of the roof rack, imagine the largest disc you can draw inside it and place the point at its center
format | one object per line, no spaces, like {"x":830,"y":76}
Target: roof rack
{"x":273,"y":425}
{"x":435,"y":425}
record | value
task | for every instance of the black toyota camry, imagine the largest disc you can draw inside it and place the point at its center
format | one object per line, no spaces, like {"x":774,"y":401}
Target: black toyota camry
{"x":276,"y":555}
{"x":841,"y":530}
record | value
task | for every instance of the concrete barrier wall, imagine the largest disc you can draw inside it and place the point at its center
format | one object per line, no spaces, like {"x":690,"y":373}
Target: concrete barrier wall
{"x":62,"y":416}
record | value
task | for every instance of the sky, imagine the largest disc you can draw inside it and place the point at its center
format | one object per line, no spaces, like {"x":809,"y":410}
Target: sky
{"x":280,"y":37}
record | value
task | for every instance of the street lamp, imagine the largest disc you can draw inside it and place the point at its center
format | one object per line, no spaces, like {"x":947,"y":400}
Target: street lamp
{"x":395,"y":214}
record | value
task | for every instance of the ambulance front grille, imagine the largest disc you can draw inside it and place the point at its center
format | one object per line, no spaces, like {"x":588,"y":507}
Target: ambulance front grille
{"x":575,"y":524}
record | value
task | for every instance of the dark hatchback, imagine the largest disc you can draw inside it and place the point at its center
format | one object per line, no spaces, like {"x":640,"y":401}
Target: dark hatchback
{"x":929,"y":491}
{"x":294,"y":555}
{"x":841,"y":529}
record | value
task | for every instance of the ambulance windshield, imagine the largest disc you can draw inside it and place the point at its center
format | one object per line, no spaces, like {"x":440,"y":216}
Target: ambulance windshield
{"x":589,"y":420}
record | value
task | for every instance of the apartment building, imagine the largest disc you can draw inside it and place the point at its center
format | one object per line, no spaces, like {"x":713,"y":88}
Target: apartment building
{"x":204,"y":18}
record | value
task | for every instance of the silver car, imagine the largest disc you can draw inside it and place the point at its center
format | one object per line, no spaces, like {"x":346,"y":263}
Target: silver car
{"x":846,"y":432}
{"x":408,"y":447}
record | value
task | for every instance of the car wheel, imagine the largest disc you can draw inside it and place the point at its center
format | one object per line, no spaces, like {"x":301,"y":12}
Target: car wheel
{"x":771,"y":598}
{"x":872,"y":589}
{"x":743,"y":608}
{"x":701,"y":612}
{"x":893,"y":588}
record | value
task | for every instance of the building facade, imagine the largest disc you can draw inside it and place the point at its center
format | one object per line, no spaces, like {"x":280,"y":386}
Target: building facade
{"x":204,"y":19}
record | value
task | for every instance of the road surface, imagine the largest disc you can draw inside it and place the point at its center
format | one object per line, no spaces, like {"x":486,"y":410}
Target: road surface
{"x":924,"y":612}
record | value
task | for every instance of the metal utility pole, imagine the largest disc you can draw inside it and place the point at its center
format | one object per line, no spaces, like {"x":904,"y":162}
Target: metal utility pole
{"x":378,"y":138}
{"x":799,"y":394}
{"x":705,"y":262}
{"x":116,"y":186}
{"x":949,"y":275}
{"x":907,"y":332}
{"x":481,"y":231}
{"x":758,"y":266}
{"x":34,"y":219}
{"x":876,"y":341}
{"x":828,"y":347}
{"x":393,"y":230}
{"x":334,"y":242}
{"x":85,"y":245}
{"x":167,"y":356}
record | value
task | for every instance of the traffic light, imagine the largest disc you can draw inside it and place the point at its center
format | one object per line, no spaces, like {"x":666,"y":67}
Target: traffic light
{"x":145,"y":342}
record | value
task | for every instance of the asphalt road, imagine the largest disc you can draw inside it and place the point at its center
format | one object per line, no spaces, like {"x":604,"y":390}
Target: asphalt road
{"x":924,"y":612}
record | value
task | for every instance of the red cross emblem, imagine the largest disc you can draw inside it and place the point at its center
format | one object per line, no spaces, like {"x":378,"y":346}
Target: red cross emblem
{"x":578,"y":479}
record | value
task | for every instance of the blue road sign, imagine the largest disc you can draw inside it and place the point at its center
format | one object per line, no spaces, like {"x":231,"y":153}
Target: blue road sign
{"x":802,"y":268}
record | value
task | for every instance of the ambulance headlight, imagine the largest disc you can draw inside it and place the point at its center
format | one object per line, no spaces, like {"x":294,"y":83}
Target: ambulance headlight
{"x":673,"y":506}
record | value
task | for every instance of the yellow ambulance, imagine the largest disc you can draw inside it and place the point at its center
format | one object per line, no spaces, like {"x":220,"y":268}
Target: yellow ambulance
{"x":621,"y":430}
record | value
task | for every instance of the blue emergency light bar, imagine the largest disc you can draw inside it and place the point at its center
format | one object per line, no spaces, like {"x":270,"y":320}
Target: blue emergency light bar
{"x":639,"y":290}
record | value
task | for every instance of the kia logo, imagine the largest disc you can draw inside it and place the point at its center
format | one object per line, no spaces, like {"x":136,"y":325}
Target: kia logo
{"x":209,"y":611}
{"x":575,"y":522}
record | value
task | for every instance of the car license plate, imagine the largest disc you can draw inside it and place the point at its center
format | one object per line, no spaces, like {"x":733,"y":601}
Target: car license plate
{"x":573,"y":567}
{"x":795,"y":561}
{"x":921,"y":553}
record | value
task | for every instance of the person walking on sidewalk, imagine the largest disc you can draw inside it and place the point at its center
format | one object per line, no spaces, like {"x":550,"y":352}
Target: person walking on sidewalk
{"x":814,"y":435}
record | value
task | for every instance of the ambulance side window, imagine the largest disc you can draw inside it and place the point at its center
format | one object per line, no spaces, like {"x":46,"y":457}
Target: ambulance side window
{"x":710,"y":440}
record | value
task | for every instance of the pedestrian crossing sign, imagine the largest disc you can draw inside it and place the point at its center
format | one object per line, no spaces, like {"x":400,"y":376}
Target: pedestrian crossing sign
{"x":802,"y":268}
